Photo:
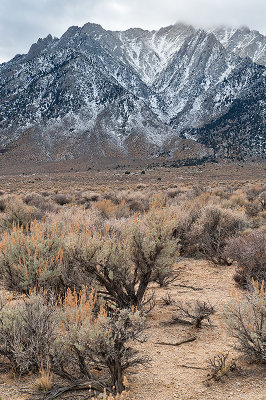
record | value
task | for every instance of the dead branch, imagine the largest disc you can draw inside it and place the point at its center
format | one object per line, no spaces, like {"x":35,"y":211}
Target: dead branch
{"x":176,"y":320}
{"x":178,"y":343}
{"x":189,"y":287}
{"x":190,"y":366}
{"x":92,"y":386}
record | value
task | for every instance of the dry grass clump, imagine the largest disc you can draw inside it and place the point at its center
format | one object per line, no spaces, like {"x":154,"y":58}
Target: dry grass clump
{"x":120,"y":396}
{"x":249,"y":251}
{"x":220,"y":366}
{"x":45,"y":381}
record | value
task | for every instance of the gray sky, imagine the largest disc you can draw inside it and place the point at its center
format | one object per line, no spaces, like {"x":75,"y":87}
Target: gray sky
{"x":22,"y":22}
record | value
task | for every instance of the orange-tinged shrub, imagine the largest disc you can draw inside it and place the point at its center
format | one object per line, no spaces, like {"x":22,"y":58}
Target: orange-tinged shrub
{"x":109,"y":209}
{"x":91,"y":337}
{"x":125,"y":263}
{"x":16,"y":212}
{"x":31,"y":257}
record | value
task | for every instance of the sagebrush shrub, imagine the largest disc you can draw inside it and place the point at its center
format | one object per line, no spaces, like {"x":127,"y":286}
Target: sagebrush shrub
{"x":62,"y":199}
{"x":213,"y":229}
{"x":109,"y":209}
{"x":71,"y":336}
{"x":137,"y":201}
{"x":262,"y":199}
{"x":93,"y":338}
{"x":253,"y":193}
{"x":173,"y":192}
{"x":77,"y":218}
{"x":125,"y":263}
{"x":18,"y":213}
{"x":2,"y":205}
{"x":249,"y":251}
{"x":40,"y":202}
{"x":92,"y":196}
{"x":187,"y":217}
{"x":27,"y":333}
{"x":204,"y":230}
{"x":252,"y":209}
{"x":246,"y":321}
{"x":31,"y":257}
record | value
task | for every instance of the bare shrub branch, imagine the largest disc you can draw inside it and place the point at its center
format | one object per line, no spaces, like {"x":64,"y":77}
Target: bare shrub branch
{"x":193,"y":313}
{"x":246,"y":321}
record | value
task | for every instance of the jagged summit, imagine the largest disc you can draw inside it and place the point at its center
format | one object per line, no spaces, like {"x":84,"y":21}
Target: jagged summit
{"x":136,"y":93}
{"x":38,"y":47}
{"x":243,"y":42}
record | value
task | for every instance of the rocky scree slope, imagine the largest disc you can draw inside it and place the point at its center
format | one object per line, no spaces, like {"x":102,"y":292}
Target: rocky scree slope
{"x":136,"y":93}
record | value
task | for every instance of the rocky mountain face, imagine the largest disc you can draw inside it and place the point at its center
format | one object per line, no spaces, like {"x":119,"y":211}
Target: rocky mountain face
{"x":243,"y":42}
{"x":135,"y":94}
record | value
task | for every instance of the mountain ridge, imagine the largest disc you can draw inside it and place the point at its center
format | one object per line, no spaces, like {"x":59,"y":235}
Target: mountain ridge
{"x":107,"y":93}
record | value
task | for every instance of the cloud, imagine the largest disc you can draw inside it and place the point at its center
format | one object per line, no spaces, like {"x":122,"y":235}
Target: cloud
{"x":22,"y":22}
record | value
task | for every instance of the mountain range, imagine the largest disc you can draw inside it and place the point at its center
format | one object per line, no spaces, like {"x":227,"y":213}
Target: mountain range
{"x":175,"y":93}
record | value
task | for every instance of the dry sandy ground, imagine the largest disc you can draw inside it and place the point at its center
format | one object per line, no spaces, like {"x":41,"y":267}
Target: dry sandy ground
{"x":165,"y":378}
{"x":48,"y":178}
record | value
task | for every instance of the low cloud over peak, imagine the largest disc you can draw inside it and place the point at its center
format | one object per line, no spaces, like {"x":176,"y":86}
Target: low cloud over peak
{"x":23,"y":21}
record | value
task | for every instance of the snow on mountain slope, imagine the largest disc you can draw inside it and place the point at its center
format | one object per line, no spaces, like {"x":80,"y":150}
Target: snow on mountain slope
{"x":201,"y":82}
{"x":150,"y":52}
{"x":244,"y":43}
{"x":102,"y":93}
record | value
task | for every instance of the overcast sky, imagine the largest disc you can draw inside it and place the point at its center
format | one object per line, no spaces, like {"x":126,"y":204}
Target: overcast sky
{"x":22,"y":22}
